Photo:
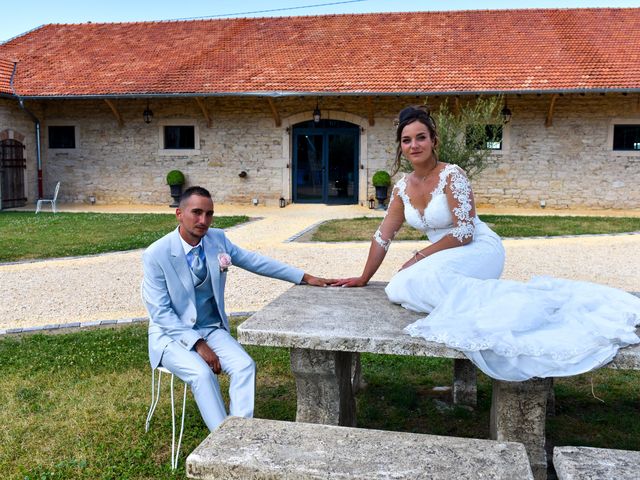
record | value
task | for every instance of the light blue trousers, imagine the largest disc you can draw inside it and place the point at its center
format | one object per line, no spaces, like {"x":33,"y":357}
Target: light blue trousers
{"x":189,"y":366}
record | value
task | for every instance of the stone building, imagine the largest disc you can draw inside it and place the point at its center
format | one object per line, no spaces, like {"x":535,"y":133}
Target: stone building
{"x":231,"y":102}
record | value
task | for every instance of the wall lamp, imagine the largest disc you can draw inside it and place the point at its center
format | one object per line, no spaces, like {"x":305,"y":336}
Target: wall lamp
{"x":316,"y":113}
{"x":147,"y":115}
{"x":506,"y":113}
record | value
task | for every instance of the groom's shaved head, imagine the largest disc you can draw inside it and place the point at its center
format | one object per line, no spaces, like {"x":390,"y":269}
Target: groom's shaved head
{"x":195,"y":190}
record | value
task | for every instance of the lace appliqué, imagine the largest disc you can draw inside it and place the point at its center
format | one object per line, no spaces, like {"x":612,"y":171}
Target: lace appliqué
{"x":402,"y":187}
{"x":402,"y":193}
{"x":461,"y":189}
{"x":380,"y":241}
{"x":377,"y":237}
{"x":502,"y":349}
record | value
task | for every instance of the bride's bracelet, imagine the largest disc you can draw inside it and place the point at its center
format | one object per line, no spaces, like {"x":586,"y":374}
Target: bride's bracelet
{"x":416,"y":253}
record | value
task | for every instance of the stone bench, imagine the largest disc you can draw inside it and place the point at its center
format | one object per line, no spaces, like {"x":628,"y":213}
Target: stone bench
{"x":587,"y":463}
{"x":242,"y":448}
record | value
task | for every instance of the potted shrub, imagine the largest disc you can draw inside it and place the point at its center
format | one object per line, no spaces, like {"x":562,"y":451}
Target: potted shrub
{"x":381,"y":180}
{"x":175,"y":180}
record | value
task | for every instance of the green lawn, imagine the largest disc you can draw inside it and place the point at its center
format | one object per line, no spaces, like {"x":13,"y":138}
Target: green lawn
{"x":24,"y":235}
{"x":74,"y":405}
{"x":361,"y":229}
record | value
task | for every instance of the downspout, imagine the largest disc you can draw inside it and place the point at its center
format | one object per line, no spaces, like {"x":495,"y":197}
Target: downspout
{"x":37,"y":124}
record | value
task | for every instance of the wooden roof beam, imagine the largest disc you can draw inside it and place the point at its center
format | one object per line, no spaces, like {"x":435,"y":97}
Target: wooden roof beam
{"x":274,"y":112}
{"x":549,"y":120}
{"x":456,"y":105}
{"x":204,"y":110}
{"x":370,"y":113}
{"x":115,"y":111}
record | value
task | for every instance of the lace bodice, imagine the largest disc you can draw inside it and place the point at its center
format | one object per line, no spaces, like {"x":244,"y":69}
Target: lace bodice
{"x":439,"y":217}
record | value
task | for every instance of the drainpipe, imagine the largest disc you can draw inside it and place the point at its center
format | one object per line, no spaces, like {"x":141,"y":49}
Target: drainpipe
{"x":37,"y":124}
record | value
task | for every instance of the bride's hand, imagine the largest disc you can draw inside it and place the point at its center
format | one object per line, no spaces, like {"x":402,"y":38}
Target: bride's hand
{"x":350,"y":282}
{"x":408,"y":263}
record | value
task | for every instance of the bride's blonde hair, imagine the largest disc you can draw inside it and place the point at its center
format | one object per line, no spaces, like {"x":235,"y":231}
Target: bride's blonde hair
{"x":414,"y":113}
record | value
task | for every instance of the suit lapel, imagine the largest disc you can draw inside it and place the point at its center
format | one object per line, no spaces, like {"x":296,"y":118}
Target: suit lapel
{"x":211,"y":251}
{"x":181,"y":266}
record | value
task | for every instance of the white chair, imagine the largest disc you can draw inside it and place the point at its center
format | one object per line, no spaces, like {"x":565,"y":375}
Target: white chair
{"x":52,"y":201}
{"x":155,"y":396}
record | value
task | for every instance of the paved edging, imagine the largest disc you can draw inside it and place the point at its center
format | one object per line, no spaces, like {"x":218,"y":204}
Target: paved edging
{"x":61,"y":327}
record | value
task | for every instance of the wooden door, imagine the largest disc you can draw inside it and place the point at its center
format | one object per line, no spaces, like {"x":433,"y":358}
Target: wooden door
{"x":12,"y":167}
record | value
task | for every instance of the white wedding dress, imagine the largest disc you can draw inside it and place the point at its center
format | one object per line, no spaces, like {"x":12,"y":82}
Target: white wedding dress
{"x":511,"y":330}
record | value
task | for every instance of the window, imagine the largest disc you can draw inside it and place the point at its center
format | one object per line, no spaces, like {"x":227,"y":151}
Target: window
{"x":626,"y":137}
{"x":63,"y":136}
{"x":179,"y":137}
{"x":489,"y":137}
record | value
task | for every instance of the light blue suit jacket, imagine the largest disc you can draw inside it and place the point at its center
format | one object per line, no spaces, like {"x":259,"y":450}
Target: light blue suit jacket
{"x":169,"y":294}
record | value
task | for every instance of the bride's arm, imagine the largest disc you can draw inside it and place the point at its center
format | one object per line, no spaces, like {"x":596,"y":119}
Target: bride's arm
{"x":393,"y":220}
{"x":462,"y":205}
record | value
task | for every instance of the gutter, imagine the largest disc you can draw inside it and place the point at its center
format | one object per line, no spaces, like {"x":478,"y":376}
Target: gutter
{"x":284,"y":94}
{"x":36,"y":121}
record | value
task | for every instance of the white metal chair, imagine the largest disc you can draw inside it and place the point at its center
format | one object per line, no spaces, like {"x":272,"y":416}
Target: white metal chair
{"x":52,"y":201}
{"x":155,"y":396}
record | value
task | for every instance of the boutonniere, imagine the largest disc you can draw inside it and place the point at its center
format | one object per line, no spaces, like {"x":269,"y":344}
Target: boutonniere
{"x":224,"y":260}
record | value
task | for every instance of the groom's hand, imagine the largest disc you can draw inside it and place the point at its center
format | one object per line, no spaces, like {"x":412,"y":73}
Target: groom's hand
{"x":208,"y":356}
{"x":316,"y":281}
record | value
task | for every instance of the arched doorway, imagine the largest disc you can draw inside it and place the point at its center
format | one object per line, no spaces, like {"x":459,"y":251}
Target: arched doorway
{"x":325,"y":162}
{"x":12,"y":167}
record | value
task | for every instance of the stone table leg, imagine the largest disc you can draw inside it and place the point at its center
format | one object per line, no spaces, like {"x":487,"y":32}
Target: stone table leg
{"x":357,"y":381}
{"x":465,"y":383}
{"x":518,"y":414}
{"x":323,"y":383}
{"x":551,"y":401}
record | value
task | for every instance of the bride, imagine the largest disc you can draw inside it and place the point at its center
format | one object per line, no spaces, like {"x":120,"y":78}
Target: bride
{"x":512,"y":331}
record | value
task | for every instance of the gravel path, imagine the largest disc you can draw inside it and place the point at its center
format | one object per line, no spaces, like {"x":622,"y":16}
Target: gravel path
{"x":106,"y":287}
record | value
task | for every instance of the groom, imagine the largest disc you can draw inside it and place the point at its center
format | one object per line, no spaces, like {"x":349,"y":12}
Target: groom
{"x":183,"y":290}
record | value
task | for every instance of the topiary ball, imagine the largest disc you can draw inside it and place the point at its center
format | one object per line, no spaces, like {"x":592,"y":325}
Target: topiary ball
{"x":381,"y":179}
{"x":175,"y":177}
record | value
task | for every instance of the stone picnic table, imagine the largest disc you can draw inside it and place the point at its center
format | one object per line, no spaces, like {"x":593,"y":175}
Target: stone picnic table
{"x":326,"y":329}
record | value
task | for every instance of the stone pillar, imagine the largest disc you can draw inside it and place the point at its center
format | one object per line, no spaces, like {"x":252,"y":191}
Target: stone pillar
{"x":357,"y":382}
{"x":518,"y":414}
{"x":551,"y":401}
{"x":465,"y":383}
{"x":323,"y":383}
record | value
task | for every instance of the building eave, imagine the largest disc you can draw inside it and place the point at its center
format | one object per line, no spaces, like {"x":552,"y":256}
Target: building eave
{"x":280,"y":94}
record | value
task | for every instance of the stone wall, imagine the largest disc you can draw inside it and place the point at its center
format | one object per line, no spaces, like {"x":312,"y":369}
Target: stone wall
{"x":16,"y":123}
{"x":568,"y":164}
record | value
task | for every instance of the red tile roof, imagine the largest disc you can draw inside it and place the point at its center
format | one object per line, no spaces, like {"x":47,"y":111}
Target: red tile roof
{"x":6,"y":70}
{"x":419,"y":52}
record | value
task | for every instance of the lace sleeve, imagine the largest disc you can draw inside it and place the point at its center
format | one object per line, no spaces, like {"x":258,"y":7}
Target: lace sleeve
{"x":393,"y":219}
{"x":460,"y":197}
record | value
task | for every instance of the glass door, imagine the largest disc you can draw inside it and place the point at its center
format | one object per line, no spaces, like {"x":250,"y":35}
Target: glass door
{"x":308,"y":185}
{"x":325,"y":162}
{"x":341,"y":168}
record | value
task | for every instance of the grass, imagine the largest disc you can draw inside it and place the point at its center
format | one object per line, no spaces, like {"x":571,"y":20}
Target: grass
{"x":74,"y":405}
{"x":361,"y":229}
{"x":25,"y":236}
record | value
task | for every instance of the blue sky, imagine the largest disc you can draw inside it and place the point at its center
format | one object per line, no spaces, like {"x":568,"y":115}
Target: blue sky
{"x":29,"y":14}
